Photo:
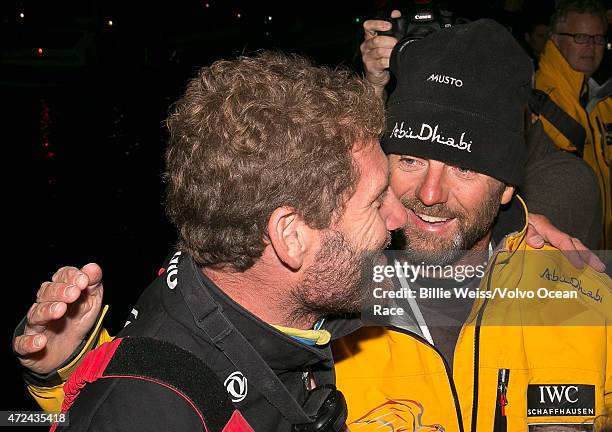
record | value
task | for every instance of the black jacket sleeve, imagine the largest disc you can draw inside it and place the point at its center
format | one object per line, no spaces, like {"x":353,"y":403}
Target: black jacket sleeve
{"x":129,"y":404}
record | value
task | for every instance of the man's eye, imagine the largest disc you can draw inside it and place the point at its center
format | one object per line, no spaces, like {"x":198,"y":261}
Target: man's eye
{"x":381,"y":198}
{"x":407,"y":163}
{"x":464,"y":172}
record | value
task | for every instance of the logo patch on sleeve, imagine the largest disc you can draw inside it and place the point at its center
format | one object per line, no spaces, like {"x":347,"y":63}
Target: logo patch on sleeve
{"x":557,"y":400}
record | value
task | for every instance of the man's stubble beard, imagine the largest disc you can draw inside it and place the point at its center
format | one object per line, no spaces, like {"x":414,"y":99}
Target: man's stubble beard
{"x":417,"y":246}
{"x":339,"y":280}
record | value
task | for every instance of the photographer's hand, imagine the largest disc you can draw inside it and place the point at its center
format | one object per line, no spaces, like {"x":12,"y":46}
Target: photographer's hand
{"x":376,"y":51}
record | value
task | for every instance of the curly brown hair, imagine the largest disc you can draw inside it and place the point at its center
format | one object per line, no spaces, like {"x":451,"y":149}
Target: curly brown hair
{"x":258,"y":133}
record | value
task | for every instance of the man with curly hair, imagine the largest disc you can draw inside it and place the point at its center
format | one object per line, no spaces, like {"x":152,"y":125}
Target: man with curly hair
{"x":278,"y":189}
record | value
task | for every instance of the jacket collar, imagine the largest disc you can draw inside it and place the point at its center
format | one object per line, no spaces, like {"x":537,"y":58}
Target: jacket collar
{"x":515,"y":240}
{"x":280,"y":351}
{"x":511,"y":225}
{"x":553,"y":63}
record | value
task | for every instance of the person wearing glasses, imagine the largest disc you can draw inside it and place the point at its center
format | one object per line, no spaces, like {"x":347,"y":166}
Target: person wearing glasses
{"x":576,"y":112}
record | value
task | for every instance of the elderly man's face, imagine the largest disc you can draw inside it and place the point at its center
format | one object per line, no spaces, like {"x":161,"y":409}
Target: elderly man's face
{"x":450,"y":209}
{"x":584,"y":58}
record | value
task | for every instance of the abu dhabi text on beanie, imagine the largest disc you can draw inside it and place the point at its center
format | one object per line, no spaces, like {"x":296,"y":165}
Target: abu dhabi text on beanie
{"x":460,"y":98}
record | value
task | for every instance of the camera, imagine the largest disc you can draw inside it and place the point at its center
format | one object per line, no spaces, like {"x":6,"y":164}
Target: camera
{"x":421,"y":18}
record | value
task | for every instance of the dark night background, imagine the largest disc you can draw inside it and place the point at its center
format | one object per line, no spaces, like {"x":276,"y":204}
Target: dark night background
{"x":83,"y":104}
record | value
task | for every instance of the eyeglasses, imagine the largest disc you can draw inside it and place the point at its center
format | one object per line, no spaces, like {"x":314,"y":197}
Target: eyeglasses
{"x":583,"y":38}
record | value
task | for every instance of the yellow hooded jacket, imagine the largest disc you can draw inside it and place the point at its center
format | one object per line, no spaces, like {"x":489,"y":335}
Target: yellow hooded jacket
{"x":565,"y":87}
{"x":519,"y":364}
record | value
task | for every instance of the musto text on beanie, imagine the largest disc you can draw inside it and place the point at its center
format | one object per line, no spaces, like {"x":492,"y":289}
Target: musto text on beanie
{"x":460,"y":98}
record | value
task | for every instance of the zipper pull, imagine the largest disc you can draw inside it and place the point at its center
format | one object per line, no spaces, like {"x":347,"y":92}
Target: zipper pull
{"x":308,"y":380}
{"x":503,"y":378}
{"x":502,"y":403}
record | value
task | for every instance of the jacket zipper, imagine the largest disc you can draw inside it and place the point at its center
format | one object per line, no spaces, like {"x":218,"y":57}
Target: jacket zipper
{"x":501,"y":422}
{"x":451,"y":381}
{"x":477,"y":346}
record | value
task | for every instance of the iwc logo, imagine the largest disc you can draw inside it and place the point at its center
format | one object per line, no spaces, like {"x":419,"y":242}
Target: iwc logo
{"x":236,"y":386}
{"x":560,"y":400}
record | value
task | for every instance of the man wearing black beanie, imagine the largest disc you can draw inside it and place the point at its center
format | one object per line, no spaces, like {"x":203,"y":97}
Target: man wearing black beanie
{"x":551,"y":177}
{"x":463,"y":104}
{"x":532,"y":349}
{"x":456,"y":117}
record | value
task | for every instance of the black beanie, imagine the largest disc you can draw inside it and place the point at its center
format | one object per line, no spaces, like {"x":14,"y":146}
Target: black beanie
{"x":460,"y":98}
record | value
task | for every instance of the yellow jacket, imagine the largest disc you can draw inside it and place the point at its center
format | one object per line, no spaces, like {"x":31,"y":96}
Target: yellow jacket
{"x":551,"y":357}
{"x":565,"y":87}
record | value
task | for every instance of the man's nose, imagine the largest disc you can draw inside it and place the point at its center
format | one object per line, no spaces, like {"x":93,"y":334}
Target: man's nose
{"x":393,"y":211}
{"x":431,"y":189}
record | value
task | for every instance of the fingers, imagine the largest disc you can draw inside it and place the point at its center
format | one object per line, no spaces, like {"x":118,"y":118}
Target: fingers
{"x":596,"y":263}
{"x":56,"y":301}
{"x":53,"y":297}
{"x":533,"y":238}
{"x":584,"y":255}
{"x":68,"y":274}
{"x":58,"y":292}
{"x":375,"y":54}
{"x":93,"y":272}
{"x":569,"y":250}
{"x":377,"y":57}
{"x":41,"y":314}
{"x":67,"y":278}
{"x":376,"y":42}
{"x":29,"y":344}
{"x":371,"y":27}
{"x":376,"y":51}
{"x":377,"y":47}
{"x":380,"y":64}
{"x":542,"y":230}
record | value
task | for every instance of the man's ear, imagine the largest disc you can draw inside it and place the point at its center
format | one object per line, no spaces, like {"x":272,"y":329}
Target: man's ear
{"x":554,"y":37}
{"x":507,"y":195}
{"x":290,"y":236}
